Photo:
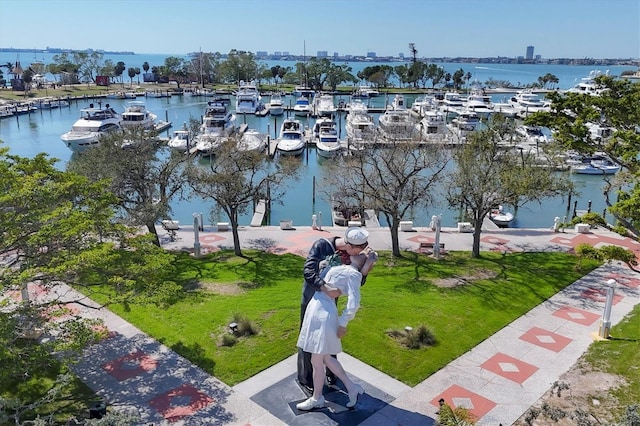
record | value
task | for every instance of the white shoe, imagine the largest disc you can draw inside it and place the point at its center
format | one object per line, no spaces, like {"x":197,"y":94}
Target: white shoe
{"x":311,"y":403}
{"x":353,"y":395}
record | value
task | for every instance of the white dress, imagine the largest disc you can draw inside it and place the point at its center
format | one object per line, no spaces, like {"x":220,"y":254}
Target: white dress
{"x":319,"y":331}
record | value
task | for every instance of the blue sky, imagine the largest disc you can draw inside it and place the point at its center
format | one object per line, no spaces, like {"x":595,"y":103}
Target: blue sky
{"x":477,"y":28}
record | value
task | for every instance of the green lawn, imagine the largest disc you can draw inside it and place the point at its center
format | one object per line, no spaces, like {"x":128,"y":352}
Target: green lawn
{"x":493,"y":291}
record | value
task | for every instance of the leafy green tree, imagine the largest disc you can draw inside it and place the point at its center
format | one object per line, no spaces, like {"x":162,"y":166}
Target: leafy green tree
{"x":338,"y":75}
{"x":239,"y":66}
{"x":88,"y":64}
{"x":391,"y":178}
{"x":486,"y":175}
{"x":173,"y":69}
{"x":119,"y":69}
{"x":145,"y":175}
{"x":237,"y":179}
{"x":616,"y":108}
{"x":58,"y":227}
{"x":132,"y":73}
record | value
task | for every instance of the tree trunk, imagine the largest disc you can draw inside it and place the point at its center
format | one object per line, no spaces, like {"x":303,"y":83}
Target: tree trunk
{"x":395,"y":245}
{"x":152,"y":230}
{"x":477,"y":231}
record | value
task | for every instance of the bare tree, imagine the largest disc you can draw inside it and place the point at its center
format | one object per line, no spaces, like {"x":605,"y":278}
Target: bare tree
{"x":143,"y":172}
{"x":391,"y":177}
{"x":487,"y":174}
{"x":237,"y":179}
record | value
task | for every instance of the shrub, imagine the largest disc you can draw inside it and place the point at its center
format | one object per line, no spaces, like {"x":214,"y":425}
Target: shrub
{"x":593,"y":219}
{"x":588,"y":251}
{"x":228,"y":340}
{"x":459,"y":416}
{"x":245,"y":326}
{"x":413,"y":338}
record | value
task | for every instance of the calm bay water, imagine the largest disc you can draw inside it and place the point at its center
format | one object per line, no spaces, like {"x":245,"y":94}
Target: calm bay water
{"x":40,"y":131}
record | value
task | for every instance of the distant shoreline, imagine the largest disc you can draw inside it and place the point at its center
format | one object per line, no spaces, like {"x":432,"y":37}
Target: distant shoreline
{"x":361,"y":58}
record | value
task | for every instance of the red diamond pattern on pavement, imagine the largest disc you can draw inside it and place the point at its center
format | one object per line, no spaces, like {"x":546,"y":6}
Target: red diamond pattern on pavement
{"x":546,"y":339}
{"x":576,"y":315}
{"x":210,"y":238}
{"x":565,"y":241}
{"x":624,"y":280}
{"x":421,"y":238}
{"x":600,"y":295}
{"x":509,"y":367}
{"x":456,"y":396}
{"x":490,"y":239}
{"x":185,"y":400}
{"x":129,"y":366}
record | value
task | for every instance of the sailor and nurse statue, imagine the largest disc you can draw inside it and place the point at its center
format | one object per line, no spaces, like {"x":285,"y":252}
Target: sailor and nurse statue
{"x":334,"y":267}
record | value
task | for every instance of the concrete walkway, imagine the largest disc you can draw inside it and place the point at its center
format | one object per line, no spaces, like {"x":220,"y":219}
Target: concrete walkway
{"x":497,"y":381}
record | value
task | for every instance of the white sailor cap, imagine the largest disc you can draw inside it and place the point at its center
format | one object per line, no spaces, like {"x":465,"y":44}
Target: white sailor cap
{"x":356,"y":236}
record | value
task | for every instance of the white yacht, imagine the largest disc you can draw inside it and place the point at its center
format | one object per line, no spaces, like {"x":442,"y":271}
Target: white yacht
{"x":248,"y":99}
{"x":597,"y":164}
{"x":527,"y":102}
{"x":92,"y":124}
{"x":452,"y":103}
{"x":479,"y":102}
{"x":533,"y":135}
{"x":276,"y":105}
{"x":179,"y":140}
{"x":291,"y":137}
{"x":252,"y":140}
{"x":433,"y":125}
{"x":397,"y":123}
{"x":136,"y":115}
{"x":217,"y":124}
{"x":324,"y":106}
{"x":588,"y":86}
{"x":303,"y":107}
{"x":359,"y":124}
{"x":326,"y":137}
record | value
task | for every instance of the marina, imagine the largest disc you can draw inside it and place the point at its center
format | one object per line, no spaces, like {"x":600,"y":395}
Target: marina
{"x":39,"y":130}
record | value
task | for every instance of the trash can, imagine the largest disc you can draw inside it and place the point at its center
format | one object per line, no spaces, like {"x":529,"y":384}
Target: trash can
{"x":97,"y":410}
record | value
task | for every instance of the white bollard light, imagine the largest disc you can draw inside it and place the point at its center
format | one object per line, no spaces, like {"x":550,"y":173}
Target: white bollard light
{"x":605,"y":323}
{"x":196,"y":236}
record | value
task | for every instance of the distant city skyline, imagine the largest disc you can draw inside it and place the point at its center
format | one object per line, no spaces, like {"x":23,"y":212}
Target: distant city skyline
{"x":438,"y":28}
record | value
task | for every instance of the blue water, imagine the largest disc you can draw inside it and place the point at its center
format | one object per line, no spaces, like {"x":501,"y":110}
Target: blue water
{"x":28,"y":135}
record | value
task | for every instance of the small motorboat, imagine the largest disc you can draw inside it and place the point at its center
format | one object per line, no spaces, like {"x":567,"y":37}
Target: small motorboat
{"x":500,"y":217}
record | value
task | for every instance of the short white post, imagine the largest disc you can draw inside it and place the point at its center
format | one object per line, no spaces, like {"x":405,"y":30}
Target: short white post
{"x":556,"y":224}
{"x":436,"y":246}
{"x":314,"y":224}
{"x":605,"y":324}
{"x":196,"y":236}
{"x":320,"y":221}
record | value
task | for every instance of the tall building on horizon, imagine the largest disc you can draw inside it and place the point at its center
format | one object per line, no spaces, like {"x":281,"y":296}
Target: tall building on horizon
{"x":529,"y":55}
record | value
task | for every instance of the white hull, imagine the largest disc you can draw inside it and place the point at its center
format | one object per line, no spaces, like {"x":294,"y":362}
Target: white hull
{"x":252,"y":140}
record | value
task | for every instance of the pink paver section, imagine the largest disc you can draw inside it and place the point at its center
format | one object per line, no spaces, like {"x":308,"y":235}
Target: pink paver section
{"x":129,"y":366}
{"x":509,"y":367}
{"x":456,"y":396}
{"x":546,"y":339}
{"x":624,"y":280}
{"x":576,"y":315}
{"x":180,"y":402}
{"x":600,"y":295}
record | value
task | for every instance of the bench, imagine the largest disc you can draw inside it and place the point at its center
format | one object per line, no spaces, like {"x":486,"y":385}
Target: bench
{"x":222,"y":226}
{"x":286,"y":224}
{"x":354,"y":223}
{"x":406,"y":225}
{"x":583,"y":228}
{"x":427,"y":247}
